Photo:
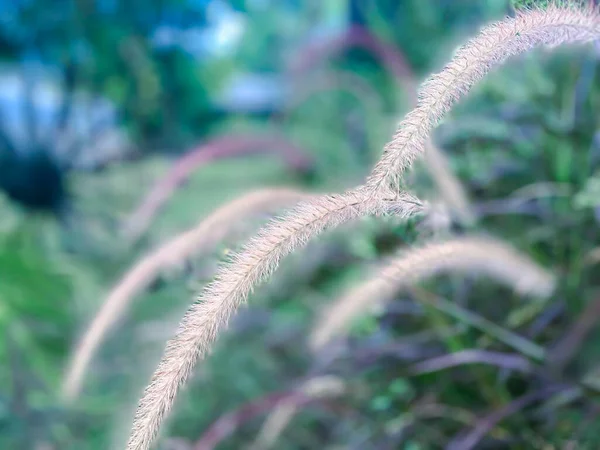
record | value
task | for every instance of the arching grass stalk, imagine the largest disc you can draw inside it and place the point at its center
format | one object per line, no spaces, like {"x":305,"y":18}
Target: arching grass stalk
{"x":257,"y":261}
{"x":472,"y":255}
{"x":551,"y":26}
{"x":207,"y":234}
{"x":236,"y":280}
{"x":217,"y":148}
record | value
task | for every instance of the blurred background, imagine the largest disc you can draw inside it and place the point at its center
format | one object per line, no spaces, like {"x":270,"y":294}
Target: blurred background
{"x":106,"y":102}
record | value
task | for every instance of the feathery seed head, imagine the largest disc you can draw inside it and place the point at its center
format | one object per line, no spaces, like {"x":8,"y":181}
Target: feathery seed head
{"x":548,"y":27}
{"x":478,"y":255}
{"x":207,"y":233}
{"x":233,"y":284}
{"x":496,"y":43}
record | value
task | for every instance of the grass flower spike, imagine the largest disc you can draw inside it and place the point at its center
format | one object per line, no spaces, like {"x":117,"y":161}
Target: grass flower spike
{"x":381,"y":195}
{"x":209,"y":232}
{"x":235,"y":281}
{"x":485,"y":256}
{"x":550,"y":27}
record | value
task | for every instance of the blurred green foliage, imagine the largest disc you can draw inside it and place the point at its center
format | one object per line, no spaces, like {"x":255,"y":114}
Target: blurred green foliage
{"x":37,"y":323}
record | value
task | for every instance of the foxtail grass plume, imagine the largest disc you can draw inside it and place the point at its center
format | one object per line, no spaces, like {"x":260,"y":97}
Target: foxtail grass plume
{"x":208,"y":233}
{"x":448,"y":185}
{"x":217,"y":148}
{"x":552,"y":26}
{"x":396,"y":63}
{"x":472,"y":255}
{"x":235,"y":281}
{"x":284,"y":411}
